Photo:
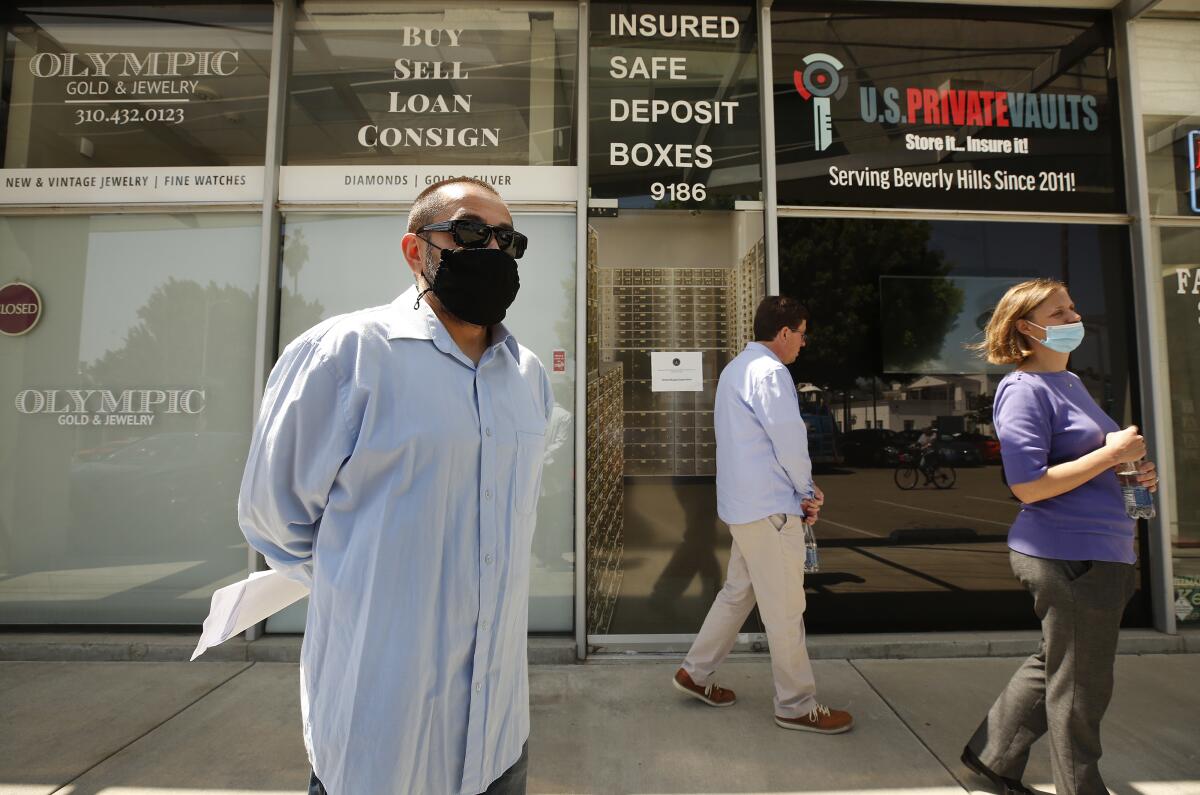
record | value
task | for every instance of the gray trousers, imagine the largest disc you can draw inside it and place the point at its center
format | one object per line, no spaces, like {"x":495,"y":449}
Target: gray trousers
{"x":1064,"y":688}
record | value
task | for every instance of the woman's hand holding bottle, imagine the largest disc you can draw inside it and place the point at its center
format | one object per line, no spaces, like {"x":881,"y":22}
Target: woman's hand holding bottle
{"x":1125,"y":446}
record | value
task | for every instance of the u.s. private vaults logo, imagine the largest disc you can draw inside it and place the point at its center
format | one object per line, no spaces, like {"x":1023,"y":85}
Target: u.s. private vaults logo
{"x":820,"y":80}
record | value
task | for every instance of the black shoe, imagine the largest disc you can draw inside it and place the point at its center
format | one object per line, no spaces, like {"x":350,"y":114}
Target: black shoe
{"x":1004,"y":786}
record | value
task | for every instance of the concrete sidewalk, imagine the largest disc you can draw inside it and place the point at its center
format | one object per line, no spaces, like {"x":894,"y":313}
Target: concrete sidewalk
{"x":152,"y":728}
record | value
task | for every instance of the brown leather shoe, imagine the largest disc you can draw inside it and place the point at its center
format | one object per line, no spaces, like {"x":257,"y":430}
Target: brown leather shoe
{"x":712,"y":695}
{"x":822,"y":720}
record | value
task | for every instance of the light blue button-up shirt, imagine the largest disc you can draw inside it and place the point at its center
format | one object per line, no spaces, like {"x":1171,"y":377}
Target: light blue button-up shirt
{"x":399,"y":481}
{"x":762,"y":445}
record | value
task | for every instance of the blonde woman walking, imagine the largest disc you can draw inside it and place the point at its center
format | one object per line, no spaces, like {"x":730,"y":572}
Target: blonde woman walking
{"x":1071,"y":545}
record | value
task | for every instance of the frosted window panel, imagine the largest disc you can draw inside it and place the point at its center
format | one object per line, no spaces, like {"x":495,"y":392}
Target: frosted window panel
{"x":333,"y":264}
{"x":118,"y":500}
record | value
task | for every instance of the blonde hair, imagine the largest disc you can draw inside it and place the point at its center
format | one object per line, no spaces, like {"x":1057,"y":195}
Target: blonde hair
{"x":1002,"y":343}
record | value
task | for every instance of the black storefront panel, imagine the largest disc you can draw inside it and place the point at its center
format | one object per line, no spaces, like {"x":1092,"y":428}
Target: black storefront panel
{"x":950,"y":108}
{"x":674,"y":104}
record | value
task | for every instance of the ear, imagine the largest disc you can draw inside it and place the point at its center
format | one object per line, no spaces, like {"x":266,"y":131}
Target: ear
{"x":411,"y":248}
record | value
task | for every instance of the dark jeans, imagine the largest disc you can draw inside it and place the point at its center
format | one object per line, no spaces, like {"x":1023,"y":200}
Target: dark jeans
{"x":1064,"y":688}
{"x":512,"y":782}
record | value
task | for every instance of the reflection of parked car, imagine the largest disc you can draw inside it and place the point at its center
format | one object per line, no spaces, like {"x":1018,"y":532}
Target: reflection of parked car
{"x":952,"y":452}
{"x":872,"y":447}
{"x":182,"y":484}
{"x":987,"y":446}
{"x":101,"y":451}
{"x":822,"y":443}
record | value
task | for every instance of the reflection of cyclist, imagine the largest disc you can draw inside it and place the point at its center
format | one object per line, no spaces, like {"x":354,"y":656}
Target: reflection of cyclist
{"x":925,"y":447}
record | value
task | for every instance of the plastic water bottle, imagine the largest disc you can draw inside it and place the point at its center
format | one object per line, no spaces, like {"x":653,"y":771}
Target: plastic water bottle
{"x":811,"y":562}
{"x":1139,"y":502}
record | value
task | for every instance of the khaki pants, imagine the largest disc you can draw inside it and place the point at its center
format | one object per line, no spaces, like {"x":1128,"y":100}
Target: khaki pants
{"x":767,"y":564}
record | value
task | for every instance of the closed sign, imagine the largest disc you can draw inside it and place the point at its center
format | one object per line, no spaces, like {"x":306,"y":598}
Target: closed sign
{"x":20,"y":309}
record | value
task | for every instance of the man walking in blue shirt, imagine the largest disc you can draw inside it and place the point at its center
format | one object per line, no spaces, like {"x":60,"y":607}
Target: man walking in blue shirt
{"x":395,"y":470}
{"x":766,"y":494}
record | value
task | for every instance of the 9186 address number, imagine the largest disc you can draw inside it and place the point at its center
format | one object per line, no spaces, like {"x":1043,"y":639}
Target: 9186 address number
{"x":679,"y":192}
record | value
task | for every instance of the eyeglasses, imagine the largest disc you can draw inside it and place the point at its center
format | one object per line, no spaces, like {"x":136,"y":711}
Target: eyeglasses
{"x":475,"y":234}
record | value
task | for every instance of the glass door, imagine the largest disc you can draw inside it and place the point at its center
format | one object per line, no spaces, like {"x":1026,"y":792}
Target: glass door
{"x":671,"y":299}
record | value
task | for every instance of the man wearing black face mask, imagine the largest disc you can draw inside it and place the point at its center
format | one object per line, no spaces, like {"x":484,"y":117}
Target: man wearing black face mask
{"x":395,"y":470}
{"x":469,"y":261}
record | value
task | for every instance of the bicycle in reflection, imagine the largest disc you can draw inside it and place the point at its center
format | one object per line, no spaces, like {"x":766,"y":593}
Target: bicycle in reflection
{"x":916,"y":464}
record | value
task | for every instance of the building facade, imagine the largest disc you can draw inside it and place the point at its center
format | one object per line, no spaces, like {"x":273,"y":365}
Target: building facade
{"x":188,"y":186}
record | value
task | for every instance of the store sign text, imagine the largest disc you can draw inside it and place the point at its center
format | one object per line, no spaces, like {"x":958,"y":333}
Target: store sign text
{"x":104,"y":407}
{"x":963,"y":179}
{"x":1188,"y":283}
{"x":637,"y":109}
{"x":131,"y":185}
{"x":205,"y":63}
{"x":114,"y":88}
{"x":976,"y":108}
{"x":400,"y":101}
{"x":403,"y":183}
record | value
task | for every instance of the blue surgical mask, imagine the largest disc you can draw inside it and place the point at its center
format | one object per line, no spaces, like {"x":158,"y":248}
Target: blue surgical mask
{"x":1064,"y":338}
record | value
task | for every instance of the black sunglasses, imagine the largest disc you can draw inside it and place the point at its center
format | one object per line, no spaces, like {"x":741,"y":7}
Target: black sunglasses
{"x":475,"y":234}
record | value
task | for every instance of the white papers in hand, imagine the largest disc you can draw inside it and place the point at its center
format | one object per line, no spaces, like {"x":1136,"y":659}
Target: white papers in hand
{"x":235,"y":608}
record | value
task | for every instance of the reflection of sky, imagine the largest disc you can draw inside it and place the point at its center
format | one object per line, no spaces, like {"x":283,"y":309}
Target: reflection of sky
{"x":980,"y":296}
{"x":125,"y":266}
{"x":1002,"y":254}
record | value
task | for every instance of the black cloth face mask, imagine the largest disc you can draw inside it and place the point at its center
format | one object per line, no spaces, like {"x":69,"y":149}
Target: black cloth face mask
{"x":476,"y":285}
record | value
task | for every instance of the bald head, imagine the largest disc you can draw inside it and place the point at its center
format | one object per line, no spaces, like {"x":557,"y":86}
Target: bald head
{"x":437,"y":202}
{"x":461,"y":198}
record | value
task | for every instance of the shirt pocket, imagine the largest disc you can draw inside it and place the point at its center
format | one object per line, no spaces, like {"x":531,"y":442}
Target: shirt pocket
{"x":527,"y":475}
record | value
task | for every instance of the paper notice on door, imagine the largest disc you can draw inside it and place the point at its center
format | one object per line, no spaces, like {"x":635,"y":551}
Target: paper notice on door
{"x":235,"y":608}
{"x":679,"y":371}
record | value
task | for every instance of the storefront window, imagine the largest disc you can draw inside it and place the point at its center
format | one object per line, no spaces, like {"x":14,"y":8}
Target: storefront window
{"x":1168,"y":61}
{"x":423,"y":84}
{"x":921,"y":106}
{"x":893,"y":303}
{"x":1178,"y":252}
{"x":88,"y":86}
{"x":334,"y":264}
{"x":125,"y":415}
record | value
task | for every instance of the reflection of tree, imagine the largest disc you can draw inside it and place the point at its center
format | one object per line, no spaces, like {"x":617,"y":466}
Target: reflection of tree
{"x":190,"y":335}
{"x":982,"y":413}
{"x":916,"y":317}
{"x":300,"y":313}
{"x":834,"y":265}
{"x":295,"y":255}
{"x":186,"y":333}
